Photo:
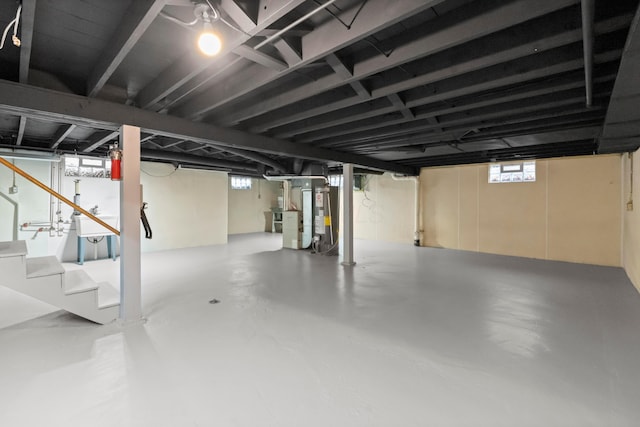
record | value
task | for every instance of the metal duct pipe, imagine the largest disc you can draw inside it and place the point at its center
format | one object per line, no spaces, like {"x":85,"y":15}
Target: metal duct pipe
{"x":290,"y":177}
{"x":588,"y":7}
{"x":196,"y":160}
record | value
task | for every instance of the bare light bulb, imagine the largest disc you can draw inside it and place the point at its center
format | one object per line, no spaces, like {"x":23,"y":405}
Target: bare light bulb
{"x":209,"y":43}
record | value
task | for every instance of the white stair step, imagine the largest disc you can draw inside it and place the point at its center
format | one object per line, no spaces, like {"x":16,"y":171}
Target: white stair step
{"x":13,"y":248}
{"x":77,"y":281}
{"x":108,"y":296}
{"x":43,"y":266}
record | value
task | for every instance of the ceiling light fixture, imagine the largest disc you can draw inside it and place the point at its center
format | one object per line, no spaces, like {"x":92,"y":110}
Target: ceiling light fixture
{"x":209,"y":42}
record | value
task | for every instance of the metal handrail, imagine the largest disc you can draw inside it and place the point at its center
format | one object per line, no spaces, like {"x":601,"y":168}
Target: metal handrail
{"x":58,"y":195}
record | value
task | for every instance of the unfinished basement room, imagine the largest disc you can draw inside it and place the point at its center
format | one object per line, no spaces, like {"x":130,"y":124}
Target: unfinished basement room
{"x":358,"y":213}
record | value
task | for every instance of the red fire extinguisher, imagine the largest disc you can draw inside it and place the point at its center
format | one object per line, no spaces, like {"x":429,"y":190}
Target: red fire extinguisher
{"x":116,"y":162}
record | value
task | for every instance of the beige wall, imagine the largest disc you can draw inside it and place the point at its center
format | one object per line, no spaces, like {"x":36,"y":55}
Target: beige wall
{"x":385,"y":210}
{"x":247,"y":208}
{"x":186,"y":207}
{"x":571,"y":213}
{"x":631,"y":235}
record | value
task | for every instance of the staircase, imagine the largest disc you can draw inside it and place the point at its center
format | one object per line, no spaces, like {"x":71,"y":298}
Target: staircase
{"x":44,"y":278}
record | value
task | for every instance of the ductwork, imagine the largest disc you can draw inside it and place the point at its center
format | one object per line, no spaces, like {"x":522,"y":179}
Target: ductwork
{"x":196,"y":160}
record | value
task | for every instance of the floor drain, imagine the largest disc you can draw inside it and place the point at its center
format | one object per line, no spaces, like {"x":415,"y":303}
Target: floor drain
{"x":214,"y":301}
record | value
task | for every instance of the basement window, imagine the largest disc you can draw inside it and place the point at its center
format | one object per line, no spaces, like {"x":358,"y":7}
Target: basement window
{"x":240,"y":183}
{"x":87,"y":167}
{"x":337,"y":180}
{"x":512,"y":172}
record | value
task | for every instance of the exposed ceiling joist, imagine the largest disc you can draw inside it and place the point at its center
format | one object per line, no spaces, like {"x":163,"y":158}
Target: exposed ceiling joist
{"x":138,"y":18}
{"x":21,"y":127}
{"x":26,"y":38}
{"x":475,"y":20}
{"x":622,"y":123}
{"x":235,"y":12}
{"x":188,"y":67}
{"x":401,"y":106}
{"x":544,"y":65}
{"x":324,"y":40}
{"x":260,"y":58}
{"x":61,"y":134}
{"x":367,"y":119}
{"x":399,"y":140}
{"x":98,"y":139}
{"x":57,"y":106}
{"x":290,"y":49}
{"x":226,"y":64}
{"x":346,"y":73}
{"x":498,"y":48}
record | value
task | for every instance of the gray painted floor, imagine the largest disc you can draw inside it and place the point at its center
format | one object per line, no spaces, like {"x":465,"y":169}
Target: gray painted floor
{"x":408,"y":337}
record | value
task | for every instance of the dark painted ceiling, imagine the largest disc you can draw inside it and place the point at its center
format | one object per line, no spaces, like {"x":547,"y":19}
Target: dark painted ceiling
{"x":384,"y":84}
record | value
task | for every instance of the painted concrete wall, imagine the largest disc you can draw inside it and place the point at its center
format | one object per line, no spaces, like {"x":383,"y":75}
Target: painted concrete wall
{"x":384,"y":210}
{"x":631,"y":234}
{"x":33,"y":203}
{"x":186,"y":207}
{"x":250,"y":210}
{"x":571,"y":213}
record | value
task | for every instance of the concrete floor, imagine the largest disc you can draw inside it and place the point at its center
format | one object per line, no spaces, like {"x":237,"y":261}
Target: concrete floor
{"x":408,"y":337}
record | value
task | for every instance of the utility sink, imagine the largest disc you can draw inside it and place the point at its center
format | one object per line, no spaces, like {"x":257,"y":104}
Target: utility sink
{"x":86,"y":227}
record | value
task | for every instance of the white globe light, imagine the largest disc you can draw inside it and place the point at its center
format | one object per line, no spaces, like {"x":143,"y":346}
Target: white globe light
{"x":209,"y":44}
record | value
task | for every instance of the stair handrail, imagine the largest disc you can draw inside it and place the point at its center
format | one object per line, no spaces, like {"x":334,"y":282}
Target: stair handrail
{"x":58,"y":195}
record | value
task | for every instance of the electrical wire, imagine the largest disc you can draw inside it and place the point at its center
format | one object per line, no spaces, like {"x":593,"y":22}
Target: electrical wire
{"x":178,"y":21}
{"x":347,"y":26}
{"x":159,"y":176}
{"x":14,"y":22}
{"x":224,"y":21}
{"x":216,"y":16}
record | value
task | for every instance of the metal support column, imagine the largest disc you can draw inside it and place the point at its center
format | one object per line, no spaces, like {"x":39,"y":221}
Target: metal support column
{"x":130,"y":272}
{"x":347,"y":201}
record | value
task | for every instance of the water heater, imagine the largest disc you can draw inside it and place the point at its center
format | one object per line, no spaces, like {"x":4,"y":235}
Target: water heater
{"x":325,"y":220}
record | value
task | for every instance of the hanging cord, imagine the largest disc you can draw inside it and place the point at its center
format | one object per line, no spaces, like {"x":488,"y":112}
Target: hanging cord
{"x":347,"y":26}
{"x":228,"y":24}
{"x":14,"y":37}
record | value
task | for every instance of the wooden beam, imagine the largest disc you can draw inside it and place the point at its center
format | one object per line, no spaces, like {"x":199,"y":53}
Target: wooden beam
{"x":137,"y":19}
{"x":99,"y":138}
{"x":21,"y":127}
{"x":26,"y":37}
{"x":47,"y":104}
{"x":61,"y":133}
